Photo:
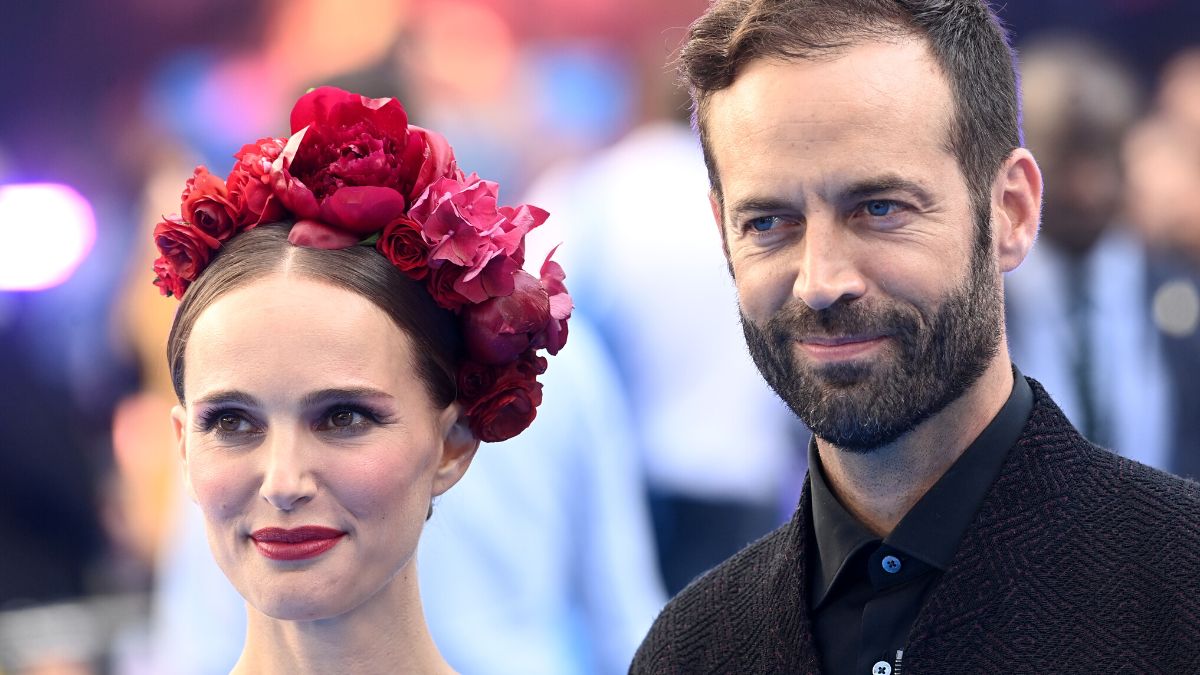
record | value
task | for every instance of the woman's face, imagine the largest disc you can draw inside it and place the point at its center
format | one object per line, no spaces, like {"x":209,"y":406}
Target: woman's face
{"x":311,"y":445}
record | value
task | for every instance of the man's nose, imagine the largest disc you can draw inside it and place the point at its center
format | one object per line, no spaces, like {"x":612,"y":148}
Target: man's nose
{"x":829,"y":264}
{"x":287,"y":478}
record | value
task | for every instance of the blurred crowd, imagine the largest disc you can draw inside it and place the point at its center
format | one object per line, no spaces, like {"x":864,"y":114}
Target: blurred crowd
{"x":659,"y":451}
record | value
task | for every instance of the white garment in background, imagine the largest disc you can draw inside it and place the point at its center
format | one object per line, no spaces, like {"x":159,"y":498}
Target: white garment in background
{"x":1130,"y":379}
{"x":643,"y":257}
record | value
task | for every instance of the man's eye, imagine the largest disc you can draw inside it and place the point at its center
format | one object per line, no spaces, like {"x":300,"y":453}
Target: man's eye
{"x":763,"y":224}
{"x":879,"y":207}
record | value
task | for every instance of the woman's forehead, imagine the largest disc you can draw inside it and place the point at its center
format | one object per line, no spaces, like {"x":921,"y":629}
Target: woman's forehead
{"x":286,"y":330}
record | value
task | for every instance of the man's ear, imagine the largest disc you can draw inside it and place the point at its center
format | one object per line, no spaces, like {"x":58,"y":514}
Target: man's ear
{"x":1016,"y":208}
{"x":179,"y":424}
{"x":458,"y":449}
{"x":714,"y":202}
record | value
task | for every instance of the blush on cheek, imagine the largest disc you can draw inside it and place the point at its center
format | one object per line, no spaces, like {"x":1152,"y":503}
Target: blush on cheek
{"x":221,"y":487}
{"x":392,"y":486}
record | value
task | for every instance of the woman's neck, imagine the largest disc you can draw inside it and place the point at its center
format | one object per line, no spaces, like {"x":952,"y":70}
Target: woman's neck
{"x":385,"y":634}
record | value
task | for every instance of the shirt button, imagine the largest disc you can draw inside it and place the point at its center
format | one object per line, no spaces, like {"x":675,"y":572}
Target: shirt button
{"x":891,"y":565}
{"x":881,"y":668}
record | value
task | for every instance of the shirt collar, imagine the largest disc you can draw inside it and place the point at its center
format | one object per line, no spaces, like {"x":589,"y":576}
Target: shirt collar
{"x":933,"y":527}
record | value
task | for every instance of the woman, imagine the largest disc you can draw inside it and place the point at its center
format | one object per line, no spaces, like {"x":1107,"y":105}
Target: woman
{"x":354,"y":321}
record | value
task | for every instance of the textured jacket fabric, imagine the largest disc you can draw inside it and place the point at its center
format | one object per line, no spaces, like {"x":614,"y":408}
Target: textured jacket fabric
{"x":1078,"y":561}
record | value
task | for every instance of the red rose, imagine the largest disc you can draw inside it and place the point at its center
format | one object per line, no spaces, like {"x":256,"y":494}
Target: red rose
{"x":507,"y":410}
{"x":249,"y":183}
{"x":402,"y":244}
{"x":207,"y":207}
{"x":499,"y":330}
{"x":186,"y":249}
{"x":353,"y":163}
{"x":475,"y":380}
{"x":169,"y":284}
{"x":441,"y":286}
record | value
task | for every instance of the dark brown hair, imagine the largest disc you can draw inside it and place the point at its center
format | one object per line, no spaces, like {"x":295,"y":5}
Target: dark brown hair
{"x":965,"y":37}
{"x":256,"y":253}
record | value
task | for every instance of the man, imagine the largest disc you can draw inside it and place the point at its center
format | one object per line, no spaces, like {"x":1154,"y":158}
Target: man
{"x":870,"y":190}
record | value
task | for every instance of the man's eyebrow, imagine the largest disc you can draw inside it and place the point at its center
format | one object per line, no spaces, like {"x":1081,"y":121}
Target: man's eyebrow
{"x":873,"y":187}
{"x":228,"y":396}
{"x":760,"y":205}
{"x":324,"y":396}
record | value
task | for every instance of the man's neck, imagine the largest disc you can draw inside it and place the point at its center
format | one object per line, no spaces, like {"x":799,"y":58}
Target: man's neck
{"x":880,"y":486}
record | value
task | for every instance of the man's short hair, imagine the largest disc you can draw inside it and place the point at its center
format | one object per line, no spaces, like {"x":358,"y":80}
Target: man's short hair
{"x":965,"y":38}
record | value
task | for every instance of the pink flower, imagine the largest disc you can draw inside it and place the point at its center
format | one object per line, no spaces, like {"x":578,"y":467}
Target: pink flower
{"x":315,"y":234}
{"x":465,"y":226}
{"x":207,"y":207}
{"x":554,"y":336}
{"x":353,"y":163}
{"x":250,"y":183}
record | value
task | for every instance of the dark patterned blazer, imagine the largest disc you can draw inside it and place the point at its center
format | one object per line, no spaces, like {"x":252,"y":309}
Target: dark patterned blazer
{"x":1078,"y":561}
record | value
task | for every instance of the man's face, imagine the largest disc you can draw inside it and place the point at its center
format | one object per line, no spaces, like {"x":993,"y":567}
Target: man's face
{"x":868,"y":300}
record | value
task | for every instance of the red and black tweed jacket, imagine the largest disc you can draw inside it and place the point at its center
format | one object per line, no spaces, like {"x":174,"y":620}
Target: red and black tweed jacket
{"x":1078,"y":561}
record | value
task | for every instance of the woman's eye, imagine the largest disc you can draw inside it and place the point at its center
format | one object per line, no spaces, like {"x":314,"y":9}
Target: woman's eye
{"x":344,"y":419}
{"x":227,"y":423}
{"x":230,"y":423}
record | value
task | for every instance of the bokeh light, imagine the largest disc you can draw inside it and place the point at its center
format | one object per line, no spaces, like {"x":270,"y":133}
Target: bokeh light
{"x":47,"y":229}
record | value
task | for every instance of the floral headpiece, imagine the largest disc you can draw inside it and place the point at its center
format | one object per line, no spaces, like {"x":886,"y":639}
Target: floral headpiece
{"x":354,"y":171}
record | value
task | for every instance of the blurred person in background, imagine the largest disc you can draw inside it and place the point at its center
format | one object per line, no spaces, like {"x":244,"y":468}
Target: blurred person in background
{"x":1162,"y":159}
{"x":716,"y":443}
{"x":1079,"y":308}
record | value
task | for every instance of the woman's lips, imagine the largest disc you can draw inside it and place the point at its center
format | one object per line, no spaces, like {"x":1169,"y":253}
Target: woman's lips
{"x":840,"y":348}
{"x":300,"y":543}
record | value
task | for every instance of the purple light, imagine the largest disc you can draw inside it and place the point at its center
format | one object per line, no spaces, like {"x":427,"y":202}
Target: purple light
{"x":46,"y":230}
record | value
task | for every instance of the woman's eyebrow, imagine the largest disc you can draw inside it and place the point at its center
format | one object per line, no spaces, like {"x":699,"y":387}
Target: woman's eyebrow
{"x":228,"y":396}
{"x":317,"y":398}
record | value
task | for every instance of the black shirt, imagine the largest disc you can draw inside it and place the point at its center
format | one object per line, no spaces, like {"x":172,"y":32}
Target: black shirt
{"x":865,"y":593}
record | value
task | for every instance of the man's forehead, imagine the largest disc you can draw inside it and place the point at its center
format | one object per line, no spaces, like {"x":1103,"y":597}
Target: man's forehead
{"x":877,"y":103}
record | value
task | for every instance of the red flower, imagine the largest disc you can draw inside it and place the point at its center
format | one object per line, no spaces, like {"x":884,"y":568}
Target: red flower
{"x":402,"y":244}
{"x":501,"y":329}
{"x":169,"y":284}
{"x":186,"y":249}
{"x":249,"y":183}
{"x":353,"y":163}
{"x":315,"y":234}
{"x":508,"y":408}
{"x":441,"y":282}
{"x":207,"y":207}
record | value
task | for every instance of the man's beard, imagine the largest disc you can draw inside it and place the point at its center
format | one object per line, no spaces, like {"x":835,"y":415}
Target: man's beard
{"x":930,"y":361}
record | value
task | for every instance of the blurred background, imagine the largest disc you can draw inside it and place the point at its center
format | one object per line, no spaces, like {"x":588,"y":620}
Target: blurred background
{"x":668,"y":453}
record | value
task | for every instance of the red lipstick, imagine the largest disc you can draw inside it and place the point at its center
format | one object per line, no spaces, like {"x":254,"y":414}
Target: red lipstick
{"x":299,"y":543}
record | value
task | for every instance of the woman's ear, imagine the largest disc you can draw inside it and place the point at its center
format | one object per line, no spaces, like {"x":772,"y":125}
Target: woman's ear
{"x":179,"y":424}
{"x":458,"y":449}
{"x":1016,"y":208}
